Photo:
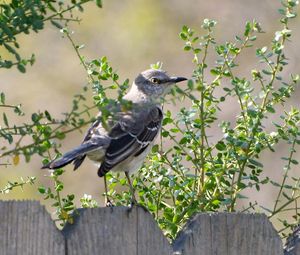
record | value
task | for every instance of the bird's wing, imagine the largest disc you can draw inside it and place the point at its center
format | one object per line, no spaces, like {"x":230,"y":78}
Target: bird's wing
{"x":96,"y":134}
{"x":78,"y":160}
{"x":97,"y":130}
{"x":131,"y":136}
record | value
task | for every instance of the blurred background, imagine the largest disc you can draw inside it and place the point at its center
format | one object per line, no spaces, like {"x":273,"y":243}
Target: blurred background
{"x":132,"y":34}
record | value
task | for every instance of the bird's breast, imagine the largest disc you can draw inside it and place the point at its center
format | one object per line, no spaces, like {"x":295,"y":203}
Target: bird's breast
{"x":96,"y":155}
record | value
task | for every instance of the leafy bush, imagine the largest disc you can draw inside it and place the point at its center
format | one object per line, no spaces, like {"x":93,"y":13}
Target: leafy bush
{"x":196,"y":173}
{"x":25,"y":16}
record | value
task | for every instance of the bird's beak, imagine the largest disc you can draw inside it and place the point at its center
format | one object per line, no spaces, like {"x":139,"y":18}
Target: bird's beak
{"x":177,"y":79}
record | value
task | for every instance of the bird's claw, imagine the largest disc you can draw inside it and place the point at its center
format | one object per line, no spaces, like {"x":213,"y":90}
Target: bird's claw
{"x":134,"y":203}
{"x":108,"y":203}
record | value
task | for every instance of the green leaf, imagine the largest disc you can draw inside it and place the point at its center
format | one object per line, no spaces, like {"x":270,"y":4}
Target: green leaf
{"x":294,"y":161}
{"x":190,"y":84}
{"x":155,"y":148}
{"x":263,"y":50}
{"x":37,"y":24}
{"x":252,"y":113}
{"x":99,"y":3}
{"x":167,"y":121}
{"x":58,"y":172}
{"x":42,"y":190}
{"x":221,"y":146}
{"x":267,"y":72}
{"x":51,"y":7}
{"x":35,"y":118}
{"x":56,"y":24}
{"x":214,"y":72}
{"x":187,"y":47}
{"x":247,"y":28}
{"x":2,"y":98}
{"x":256,"y":163}
{"x":5,"y":119}
{"x":21,"y":68}
{"x":183,"y":36}
{"x":59,"y":187}
{"x":48,"y":116}
{"x":185,"y":29}
{"x":241,"y":185}
{"x":270,"y":109}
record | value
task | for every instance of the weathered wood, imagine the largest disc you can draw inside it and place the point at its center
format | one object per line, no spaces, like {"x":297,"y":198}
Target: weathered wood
{"x":150,"y":237}
{"x":195,"y":234}
{"x":292,"y":246}
{"x":228,"y":234}
{"x":115,"y":231}
{"x":26,"y":228}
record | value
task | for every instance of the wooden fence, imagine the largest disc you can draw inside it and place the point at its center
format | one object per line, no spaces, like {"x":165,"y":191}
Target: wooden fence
{"x":26,"y":228}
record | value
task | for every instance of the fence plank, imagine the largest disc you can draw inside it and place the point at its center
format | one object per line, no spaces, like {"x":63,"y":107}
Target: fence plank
{"x":196,"y":233}
{"x":150,"y":237}
{"x":228,"y":234}
{"x":115,"y":231}
{"x":26,"y":228}
{"x":292,"y":246}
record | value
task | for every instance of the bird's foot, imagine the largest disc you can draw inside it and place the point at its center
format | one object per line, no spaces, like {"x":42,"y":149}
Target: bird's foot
{"x":135,"y":203}
{"x":108,"y":203}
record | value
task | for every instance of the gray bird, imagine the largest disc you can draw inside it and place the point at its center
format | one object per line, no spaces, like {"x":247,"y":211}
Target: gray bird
{"x":125,"y":140}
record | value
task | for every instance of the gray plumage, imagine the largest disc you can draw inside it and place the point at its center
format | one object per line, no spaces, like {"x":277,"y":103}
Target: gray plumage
{"x":124,"y":145}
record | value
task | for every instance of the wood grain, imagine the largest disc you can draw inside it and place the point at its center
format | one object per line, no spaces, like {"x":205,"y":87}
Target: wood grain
{"x":228,"y":234}
{"x":26,"y":228}
{"x":115,"y":231}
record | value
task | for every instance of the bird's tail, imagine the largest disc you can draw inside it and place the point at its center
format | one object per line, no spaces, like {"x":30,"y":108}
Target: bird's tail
{"x":72,"y":155}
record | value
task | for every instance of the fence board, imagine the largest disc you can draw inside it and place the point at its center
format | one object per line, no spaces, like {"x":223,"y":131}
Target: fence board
{"x":292,"y":246}
{"x":115,"y":231}
{"x":197,"y":233}
{"x":150,"y":238}
{"x":228,"y":234}
{"x":26,"y":228}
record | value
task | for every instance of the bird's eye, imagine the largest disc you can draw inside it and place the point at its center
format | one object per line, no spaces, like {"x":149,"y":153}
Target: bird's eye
{"x":155,"y":80}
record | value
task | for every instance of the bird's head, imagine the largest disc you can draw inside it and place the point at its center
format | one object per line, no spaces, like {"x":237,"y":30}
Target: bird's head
{"x":154,"y":83}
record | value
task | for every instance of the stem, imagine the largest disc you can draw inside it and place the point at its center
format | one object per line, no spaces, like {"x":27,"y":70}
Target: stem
{"x":79,"y":56}
{"x":177,"y":171}
{"x":250,"y":206}
{"x":7,"y":106}
{"x":248,"y":153}
{"x":202,"y":116}
{"x":219,"y":76}
{"x":6,"y":38}
{"x":283,"y":206}
{"x":58,"y":198}
{"x":179,"y":145}
{"x":10,"y":186}
{"x":43,"y":140}
{"x":66,"y":10}
{"x":285,"y":175}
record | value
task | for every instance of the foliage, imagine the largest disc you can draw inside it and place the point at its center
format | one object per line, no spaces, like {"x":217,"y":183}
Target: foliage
{"x":25,"y":16}
{"x":197,"y":173}
{"x":11,"y":185}
{"x":64,"y":206}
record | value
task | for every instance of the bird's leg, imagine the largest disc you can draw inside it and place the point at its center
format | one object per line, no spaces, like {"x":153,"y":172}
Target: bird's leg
{"x":107,"y":201}
{"x":133,"y":199}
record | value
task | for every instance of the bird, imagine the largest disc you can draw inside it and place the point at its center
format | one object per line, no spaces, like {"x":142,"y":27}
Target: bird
{"x":122,"y":144}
